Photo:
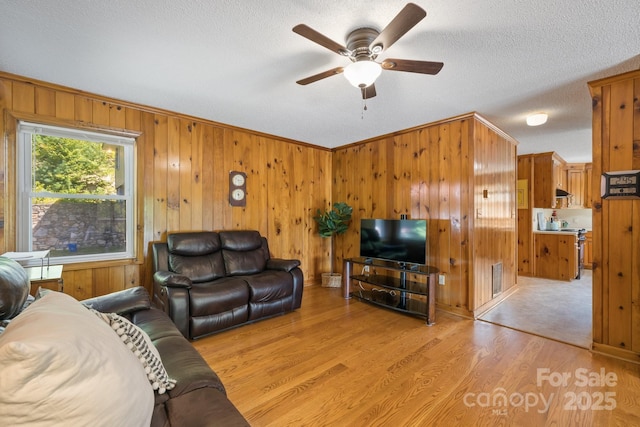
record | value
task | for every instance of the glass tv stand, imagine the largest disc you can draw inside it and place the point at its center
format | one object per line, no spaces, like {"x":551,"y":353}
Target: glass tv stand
{"x":407,"y":288}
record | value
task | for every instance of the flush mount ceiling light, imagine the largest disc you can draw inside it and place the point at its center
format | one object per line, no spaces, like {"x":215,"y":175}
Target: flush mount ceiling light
{"x":537,"y":119}
{"x":362,"y":74}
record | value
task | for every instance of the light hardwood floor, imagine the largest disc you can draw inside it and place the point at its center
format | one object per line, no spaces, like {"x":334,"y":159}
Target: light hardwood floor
{"x":339,"y":362}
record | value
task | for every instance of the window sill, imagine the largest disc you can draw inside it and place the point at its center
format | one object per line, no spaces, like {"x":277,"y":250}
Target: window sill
{"x":85,"y":265}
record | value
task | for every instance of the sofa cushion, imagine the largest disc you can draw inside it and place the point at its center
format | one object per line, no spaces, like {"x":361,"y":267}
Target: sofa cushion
{"x":217,"y":297}
{"x":240,"y":240}
{"x":202,"y":268}
{"x":244,"y":252}
{"x":270,"y":285}
{"x":193,"y":244}
{"x":14,"y":288}
{"x":201,"y":326}
{"x":63,"y":365}
{"x":260,"y":310}
{"x":155,"y":323}
{"x":121,"y":302}
{"x":186,"y":366}
{"x":203,"y":408}
{"x":239,"y":263}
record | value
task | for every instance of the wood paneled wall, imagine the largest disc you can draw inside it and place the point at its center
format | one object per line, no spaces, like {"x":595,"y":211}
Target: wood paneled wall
{"x":616,"y":223}
{"x":440,"y":172}
{"x":458,"y":173}
{"x":525,"y":226}
{"x":182,"y":179}
{"x":494,"y":231}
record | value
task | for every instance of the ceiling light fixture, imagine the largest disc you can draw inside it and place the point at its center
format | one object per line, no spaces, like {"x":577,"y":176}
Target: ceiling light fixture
{"x":537,"y":119}
{"x":362,"y":74}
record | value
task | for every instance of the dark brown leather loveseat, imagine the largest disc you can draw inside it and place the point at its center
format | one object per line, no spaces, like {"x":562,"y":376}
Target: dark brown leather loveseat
{"x":210,"y":281}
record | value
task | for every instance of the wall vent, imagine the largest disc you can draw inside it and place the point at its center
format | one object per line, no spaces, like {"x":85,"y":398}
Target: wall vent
{"x":496,"y":278}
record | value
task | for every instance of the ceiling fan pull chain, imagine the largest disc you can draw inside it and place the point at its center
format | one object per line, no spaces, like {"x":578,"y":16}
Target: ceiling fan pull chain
{"x":364,"y":102}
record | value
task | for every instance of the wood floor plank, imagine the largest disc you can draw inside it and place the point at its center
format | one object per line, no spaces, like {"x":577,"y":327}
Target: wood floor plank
{"x":337,"y":362}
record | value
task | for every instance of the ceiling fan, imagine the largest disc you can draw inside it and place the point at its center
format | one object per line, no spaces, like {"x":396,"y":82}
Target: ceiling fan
{"x":363,"y":47}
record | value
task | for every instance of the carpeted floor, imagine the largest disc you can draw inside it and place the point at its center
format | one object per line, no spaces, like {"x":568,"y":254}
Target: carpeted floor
{"x":549,"y":308}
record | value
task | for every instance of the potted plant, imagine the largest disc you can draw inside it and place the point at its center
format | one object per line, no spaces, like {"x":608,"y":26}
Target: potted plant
{"x":330,"y":222}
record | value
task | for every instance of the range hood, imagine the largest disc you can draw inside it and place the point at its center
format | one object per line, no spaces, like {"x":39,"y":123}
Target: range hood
{"x":560,"y":193}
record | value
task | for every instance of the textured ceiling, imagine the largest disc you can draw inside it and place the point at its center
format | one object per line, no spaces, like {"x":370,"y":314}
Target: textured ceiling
{"x":236,"y":62}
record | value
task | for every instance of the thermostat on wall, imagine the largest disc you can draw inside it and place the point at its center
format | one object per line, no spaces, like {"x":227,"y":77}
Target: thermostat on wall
{"x":620,"y":185}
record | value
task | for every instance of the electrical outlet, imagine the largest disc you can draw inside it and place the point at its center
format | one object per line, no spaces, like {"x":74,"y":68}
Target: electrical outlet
{"x":365,"y":270}
{"x":441,"y":280}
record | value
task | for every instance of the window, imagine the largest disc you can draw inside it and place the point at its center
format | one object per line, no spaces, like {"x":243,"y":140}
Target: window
{"x":75,"y":193}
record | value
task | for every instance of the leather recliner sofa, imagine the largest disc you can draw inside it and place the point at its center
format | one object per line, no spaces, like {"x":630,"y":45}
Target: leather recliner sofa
{"x":209,"y":281}
{"x":198,"y":398}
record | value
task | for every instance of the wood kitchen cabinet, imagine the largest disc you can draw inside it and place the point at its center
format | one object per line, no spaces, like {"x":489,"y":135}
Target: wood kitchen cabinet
{"x":556,"y":255}
{"x":559,"y":172}
{"x":588,"y":251}
{"x":576,"y":184}
{"x":588,"y":183}
{"x":549,"y":174}
{"x":579,"y":182}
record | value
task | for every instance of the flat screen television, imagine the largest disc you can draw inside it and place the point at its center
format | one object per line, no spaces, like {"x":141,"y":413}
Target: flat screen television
{"x":400,"y":240}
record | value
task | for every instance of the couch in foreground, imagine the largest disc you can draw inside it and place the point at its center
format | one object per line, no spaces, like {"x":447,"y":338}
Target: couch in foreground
{"x":62,"y":363}
{"x":211,"y":281}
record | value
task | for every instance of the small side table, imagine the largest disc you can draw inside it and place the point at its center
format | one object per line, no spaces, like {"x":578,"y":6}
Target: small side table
{"x":30,"y":258}
{"x":48,"y":278}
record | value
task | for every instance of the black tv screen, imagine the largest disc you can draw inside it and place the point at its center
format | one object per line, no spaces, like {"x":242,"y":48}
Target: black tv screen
{"x":401,"y":240}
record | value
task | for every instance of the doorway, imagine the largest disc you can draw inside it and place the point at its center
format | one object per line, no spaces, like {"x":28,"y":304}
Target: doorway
{"x":553,"y":309}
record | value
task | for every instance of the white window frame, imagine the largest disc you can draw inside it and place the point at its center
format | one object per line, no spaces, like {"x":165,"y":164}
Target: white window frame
{"x":25,"y":192}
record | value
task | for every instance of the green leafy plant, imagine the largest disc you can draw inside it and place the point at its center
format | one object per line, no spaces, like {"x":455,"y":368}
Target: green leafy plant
{"x":335,"y":220}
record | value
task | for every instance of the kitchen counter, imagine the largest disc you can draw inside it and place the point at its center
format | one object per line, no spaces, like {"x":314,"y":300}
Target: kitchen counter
{"x":574,"y":232}
{"x":567,"y":230}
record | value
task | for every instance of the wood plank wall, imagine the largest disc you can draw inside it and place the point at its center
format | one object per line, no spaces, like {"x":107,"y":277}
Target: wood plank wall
{"x":494,"y":232}
{"x":438,"y":172}
{"x":526,"y":257}
{"x":182,"y":179}
{"x":616,"y":223}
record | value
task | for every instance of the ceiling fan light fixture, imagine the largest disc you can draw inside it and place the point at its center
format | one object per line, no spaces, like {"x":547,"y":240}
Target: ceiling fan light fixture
{"x":537,"y":119}
{"x":362,"y":73}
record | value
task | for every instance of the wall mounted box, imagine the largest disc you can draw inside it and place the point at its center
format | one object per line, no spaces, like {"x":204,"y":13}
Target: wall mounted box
{"x":620,"y":185}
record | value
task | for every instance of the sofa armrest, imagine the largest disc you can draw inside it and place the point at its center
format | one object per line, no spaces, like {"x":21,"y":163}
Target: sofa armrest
{"x":282,"y":264}
{"x":121,"y":302}
{"x":171,"y":295}
{"x":172,"y":280}
{"x":204,"y":406}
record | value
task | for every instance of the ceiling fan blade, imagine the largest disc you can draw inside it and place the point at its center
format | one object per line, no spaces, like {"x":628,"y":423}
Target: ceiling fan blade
{"x":368,"y":92}
{"x":423,"y":67}
{"x":320,"y":76}
{"x":408,"y":17}
{"x":322,"y":40}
